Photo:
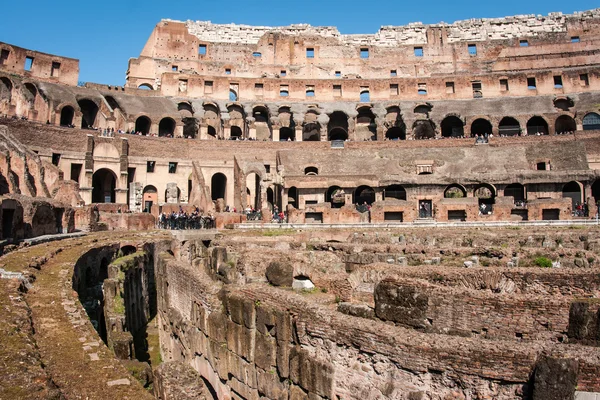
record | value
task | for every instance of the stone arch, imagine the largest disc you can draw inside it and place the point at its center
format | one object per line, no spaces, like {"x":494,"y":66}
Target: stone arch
{"x":104,"y":182}
{"x":481,"y":126}
{"x":595,"y":191}
{"x":336,"y":196}
{"x":486,"y":195}
{"x":455,"y":191}
{"x":574,"y":191}
{"x":166,"y":127}
{"x":563,"y":103}
{"x":262,"y":122}
{"x":190,"y":128}
{"x":286,"y":134}
{"x":565,"y":123}
{"x":337,"y":128}
{"x":30,"y":93}
{"x":112,"y":102}
{"x":452,"y":126}
{"x":396,"y":133}
{"x":218,"y":186}
{"x":89,"y":111}
{"x":537,"y":125}
{"x":236,"y":132}
{"x":423,"y":109}
{"x":185,"y":109}
{"x":423,"y":129}
{"x":66,"y":116}
{"x":591,"y":121}
{"x":293,"y":196}
{"x":233,"y":96}
{"x":311,"y":171}
{"x":143,"y":124}
{"x":509,"y":126}
{"x":311,"y":132}
{"x":149,"y":197}
{"x":253,"y":190}
{"x":364,"y":194}
{"x":394,"y":192}
{"x":145,"y":86}
{"x":366,"y":127}
{"x":6,"y":87}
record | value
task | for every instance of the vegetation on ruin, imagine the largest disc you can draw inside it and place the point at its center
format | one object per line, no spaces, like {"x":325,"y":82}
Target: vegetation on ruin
{"x":543,"y":262}
{"x":119,"y":304}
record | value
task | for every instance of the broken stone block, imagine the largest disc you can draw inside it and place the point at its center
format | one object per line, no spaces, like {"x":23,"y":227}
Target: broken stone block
{"x":468,"y":264}
{"x":279,"y":274}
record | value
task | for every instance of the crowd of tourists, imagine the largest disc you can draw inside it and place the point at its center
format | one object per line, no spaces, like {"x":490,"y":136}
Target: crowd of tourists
{"x":183,"y":220}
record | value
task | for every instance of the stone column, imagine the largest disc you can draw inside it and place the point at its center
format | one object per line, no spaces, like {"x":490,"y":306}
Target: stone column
{"x":275,"y":135}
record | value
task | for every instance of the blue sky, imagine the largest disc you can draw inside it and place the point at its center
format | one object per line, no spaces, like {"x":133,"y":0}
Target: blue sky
{"x":103,"y":35}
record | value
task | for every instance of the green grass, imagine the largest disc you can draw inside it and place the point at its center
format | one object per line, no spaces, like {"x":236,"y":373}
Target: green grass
{"x":278,"y":232}
{"x":119,"y":304}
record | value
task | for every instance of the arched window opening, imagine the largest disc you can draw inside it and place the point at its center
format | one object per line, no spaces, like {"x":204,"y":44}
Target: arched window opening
{"x":572,"y":190}
{"x":210,"y":112}
{"x":253,"y":191}
{"x":595,"y":191}
{"x":30,"y":93}
{"x":338,"y":126}
{"x":311,"y":171}
{"x":236,"y":132}
{"x":517,"y":192}
{"x":537,"y":126}
{"x":452,"y":126}
{"x":166,"y":127}
{"x":145,"y":86}
{"x":481,"y":126}
{"x":142,"y":125}
{"x":455,"y":191}
{"x":190,"y":128}
{"x":486,"y":195}
{"x":591,"y":122}
{"x":311,"y":132}
{"x":422,"y":109}
{"x":212,"y":131}
{"x":89,"y":109}
{"x":185,"y":109}
{"x":396,"y":192}
{"x":364,"y":195}
{"x":5,"y":88}
{"x":293,"y":196}
{"x":260,"y":114}
{"x":150,"y":197}
{"x":104,"y":182}
{"x":112,"y":102}
{"x":396,"y":133}
{"x":233,"y":95}
{"x":336,"y":196}
{"x":270,"y":198}
{"x":262,"y":123}
{"x":563,"y":104}
{"x":66,"y":116}
{"x":509,"y":127}
{"x":365,"y":96}
{"x":218,"y":186}
{"x":564,"y":124}
{"x":423,"y":129}
{"x":287,"y":134}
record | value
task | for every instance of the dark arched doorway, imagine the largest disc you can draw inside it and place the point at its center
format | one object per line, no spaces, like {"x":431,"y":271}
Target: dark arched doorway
{"x":486,"y":195}
{"x":166,"y":127}
{"x":142,"y":125}
{"x":218,"y":186}
{"x":423,"y":129}
{"x":396,"y":133}
{"x":481,"y":126}
{"x":89,"y":111}
{"x":337,"y":128}
{"x":452,"y":126}
{"x":572,"y":190}
{"x":287,"y":134}
{"x":537,"y":126}
{"x":311,"y":132}
{"x":564,"y":124}
{"x":66,"y":116}
{"x":293,"y":196}
{"x":104,"y":182}
{"x":236,"y":132}
{"x":509,"y":126}
{"x":364,"y":195}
